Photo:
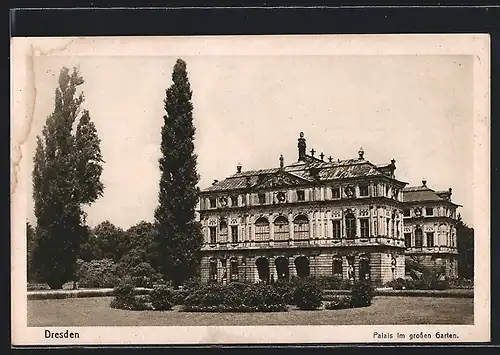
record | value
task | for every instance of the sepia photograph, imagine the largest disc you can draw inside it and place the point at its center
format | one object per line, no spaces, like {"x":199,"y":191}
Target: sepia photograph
{"x":250,"y":189}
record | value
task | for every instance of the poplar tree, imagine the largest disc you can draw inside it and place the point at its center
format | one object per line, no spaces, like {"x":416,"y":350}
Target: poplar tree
{"x":177,"y":234}
{"x":66,"y":176}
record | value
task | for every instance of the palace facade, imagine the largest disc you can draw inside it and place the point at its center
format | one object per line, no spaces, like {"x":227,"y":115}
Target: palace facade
{"x":429,"y":228}
{"x":315,"y":216}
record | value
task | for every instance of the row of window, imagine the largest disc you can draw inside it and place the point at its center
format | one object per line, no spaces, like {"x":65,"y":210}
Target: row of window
{"x":429,"y":212}
{"x":301,"y":229}
{"x":419,"y":239}
{"x":300,"y":196}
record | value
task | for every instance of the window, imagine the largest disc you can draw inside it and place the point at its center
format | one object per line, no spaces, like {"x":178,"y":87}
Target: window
{"x":234,"y":234}
{"x":261,"y":229}
{"x":223,"y":231}
{"x":234,"y":270}
{"x":213,"y":235}
{"x":363,"y":190}
{"x":406,"y":212}
{"x":408,"y":240}
{"x":337,"y":266}
{"x":430,"y":239}
{"x":213,"y":270}
{"x":429,"y":211}
{"x":234,"y":201}
{"x":262,"y":199}
{"x":212,"y":203}
{"x":387,"y":190}
{"x":335,"y":192}
{"x":350,"y":225}
{"x":301,"y":228}
{"x":364,"y":267}
{"x":281,"y":229}
{"x":336,"y":229}
{"x":363,"y":224}
{"x":418,"y":238}
{"x":397,"y":229}
{"x":300,"y":195}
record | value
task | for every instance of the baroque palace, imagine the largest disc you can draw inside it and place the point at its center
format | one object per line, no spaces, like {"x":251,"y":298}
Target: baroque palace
{"x":323,"y":217}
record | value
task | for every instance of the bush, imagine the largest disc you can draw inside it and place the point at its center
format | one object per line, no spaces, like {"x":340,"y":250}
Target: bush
{"x":286,"y":289}
{"x":401,"y":284}
{"x":460,"y":282}
{"x":340,"y":302}
{"x":362,"y":294}
{"x":335,"y":282}
{"x":97,"y":273}
{"x":125,"y":298}
{"x":162,"y":298}
{"x":308,"y":294}
{"x":234,"y":297}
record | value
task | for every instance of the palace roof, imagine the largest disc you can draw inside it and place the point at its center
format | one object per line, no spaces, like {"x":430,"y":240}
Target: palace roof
{"x":412,"y":194}
{"x":302,"y":172}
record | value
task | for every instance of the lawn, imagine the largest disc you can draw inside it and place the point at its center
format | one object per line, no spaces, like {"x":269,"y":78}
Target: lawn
{"x":385,"y":310}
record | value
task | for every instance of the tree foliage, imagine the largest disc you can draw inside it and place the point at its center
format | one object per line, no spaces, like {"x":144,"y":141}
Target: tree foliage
{"x":66,"y":176}
{"x":465,"y":245}
{"x":178,"y":235}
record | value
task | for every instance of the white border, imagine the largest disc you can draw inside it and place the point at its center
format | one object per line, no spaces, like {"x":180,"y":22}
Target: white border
{"x":24,"y":49}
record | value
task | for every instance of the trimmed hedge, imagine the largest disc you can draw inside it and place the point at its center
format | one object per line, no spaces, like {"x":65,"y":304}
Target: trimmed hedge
{"x":340,"y":302}
{"x":234,"y":297}
{"x":308,"y":294}
{"x":125,"y":298}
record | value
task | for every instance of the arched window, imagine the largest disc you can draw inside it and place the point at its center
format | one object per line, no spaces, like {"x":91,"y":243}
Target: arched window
{"x":234,"y":269}
{"x":301,"y":228}
{"x":223,"y":231}
{"x":419,"y":237}
{"x":281,"y":229}
{"x":261,"y":229}
{"x":212,"y":270}
{"x":364,"y":267}
{"x":350,"y":225}
{"x":337,"y":266}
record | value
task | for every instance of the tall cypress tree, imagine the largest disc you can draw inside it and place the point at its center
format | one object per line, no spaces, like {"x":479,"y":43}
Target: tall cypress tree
{"x":178,"y":236}
{"x":66,"y":176}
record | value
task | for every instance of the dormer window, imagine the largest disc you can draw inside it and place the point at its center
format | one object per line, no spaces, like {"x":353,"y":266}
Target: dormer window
{"x":429,"y":211}
{"x":262,"y":199}
{"x":363,"y":190}
{"x":213,"y":203}
{"x":335,"y":192}
{"x":301,"y":195}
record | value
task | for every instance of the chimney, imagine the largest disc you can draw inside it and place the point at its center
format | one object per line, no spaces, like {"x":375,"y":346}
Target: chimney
{"x":215,"y":182}
{"x":302,"y":147}
{"x":281,"y":160}
{"x":238,"y":168}
{"x":321,"y":156}
{"x":361,"y":153}
{"x":424,"y":182}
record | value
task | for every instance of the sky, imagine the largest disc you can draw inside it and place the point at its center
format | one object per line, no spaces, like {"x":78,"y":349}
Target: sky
{"x":417,"y":109}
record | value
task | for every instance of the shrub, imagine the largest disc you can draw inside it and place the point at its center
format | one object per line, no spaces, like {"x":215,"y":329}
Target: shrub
{"x":362,"y":294}
{"x":97,"y":273}
{"x":234,"y":297}
{"x":335,"y":282}
{"x":162,"y":298}
{"x":401,"y":284}
{"x":308,"y":294}
{"x":125,"y":298}
{"x":340,"y":302}
{"x":286,"y":289}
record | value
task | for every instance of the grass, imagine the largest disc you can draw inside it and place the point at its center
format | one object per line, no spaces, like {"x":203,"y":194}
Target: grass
{"x":383,"y":311}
